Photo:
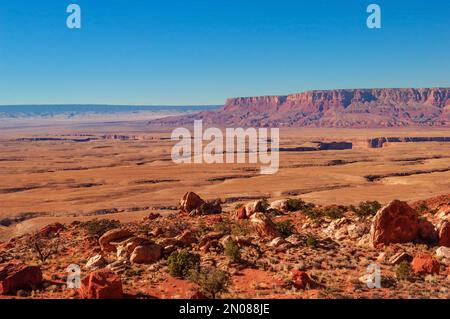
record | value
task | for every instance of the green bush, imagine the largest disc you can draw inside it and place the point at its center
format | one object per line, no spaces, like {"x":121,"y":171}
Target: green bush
{"x":311,"y":241}
{"x":98,"y":227}
{"x":286,"y":228}
{"x":403,"y":271}
{"x":368,"y":208}
{"x":297,"y":204}
{"x":212,"y":281}
{"x":181,"y":263}
{"x":423,"y":207}
{"x":313,"y":213}
{"x":333,"y":212}
{"x":233,"y":251}
{"x":240,"y":228}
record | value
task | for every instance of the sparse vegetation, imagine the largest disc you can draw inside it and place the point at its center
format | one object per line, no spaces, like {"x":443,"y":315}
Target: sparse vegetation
{"x":403,"y":271}
{"x":232,"y":251}
{"x":286,"y":228}
{"x":212,"y":281}
{"x":98,"y":227}
{"x":43,"y":248}
{"x":334,"y":212}
{"x":311,"y":241}
{"x":181,"y":263}
{"x":297,"y":204}
{"x":365,"y":209}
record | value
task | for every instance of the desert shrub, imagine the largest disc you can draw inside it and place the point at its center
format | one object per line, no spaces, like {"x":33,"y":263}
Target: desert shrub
{"x":224,"y":226}
{"x":181,"y":263}
{"x":233,"y":251}
{"x":367,"y":208}
{"x":313,"y":213}
{"x":42,"y":247}
{"x":311,"y":241}
{"x":423,"y":207}
{"x":403,"y":271}
{"x":240,"y":228}
{"x":98,"y":227}
{"x":286,"y":228}
{"x":333,"y":212}
{"x":203,"y":229}
{"x":212,"y":281}
{"x":296,"y":204}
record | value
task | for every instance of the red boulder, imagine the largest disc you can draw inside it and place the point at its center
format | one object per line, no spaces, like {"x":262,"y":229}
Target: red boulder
{"x":14,"y":277}
{"x":190,"y":201}
{"x":427,"y":232}
{"x":101,"y":284}
{"x":396,"y":222}
{"x":424,"y":264}
{"x":444,"y":234}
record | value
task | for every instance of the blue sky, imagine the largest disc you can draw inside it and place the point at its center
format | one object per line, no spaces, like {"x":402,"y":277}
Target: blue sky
{"x":203,"y":51}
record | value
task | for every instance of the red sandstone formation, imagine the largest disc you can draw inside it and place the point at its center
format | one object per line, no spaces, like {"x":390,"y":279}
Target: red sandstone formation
{"x":333,"y":108}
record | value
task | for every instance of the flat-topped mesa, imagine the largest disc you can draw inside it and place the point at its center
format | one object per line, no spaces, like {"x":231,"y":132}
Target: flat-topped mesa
{"x":352,"y":108}
{"x":430,"y":96}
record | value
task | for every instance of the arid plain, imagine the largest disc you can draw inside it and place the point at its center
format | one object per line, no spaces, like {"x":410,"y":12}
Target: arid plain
{"x":124,"y":171}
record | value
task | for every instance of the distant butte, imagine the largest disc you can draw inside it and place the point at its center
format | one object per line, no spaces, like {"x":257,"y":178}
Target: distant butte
{"x":352,"y":108}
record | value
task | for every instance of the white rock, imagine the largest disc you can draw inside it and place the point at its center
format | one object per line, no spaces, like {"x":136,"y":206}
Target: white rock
{"x":277,"y":242}
{"x":96,"y":262}
{"x":443,"y":252}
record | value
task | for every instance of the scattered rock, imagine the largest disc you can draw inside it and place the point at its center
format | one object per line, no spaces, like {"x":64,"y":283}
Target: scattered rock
{"x":51,"y":230}
{"x":15,"y":277}
{"x":396,"y":222}
{"x":96,"y":262}
{"x":147,"y":254}
{"x":208,"y":208}
{"x":399,"y":257}
{"x":241,"y":213}
{"x":186,"y":238}
{"x":264,"y":226}
{"x":254,"y":207}
{"x":112,"y":235}
{"x":301,"y":280}
{"x":424,"y":263}
{"x":190,"y":201}
{"x":101,"y":284}
{"x":443,"y":252}
{"x":280,"y":205}
{"x":444,"y":234}
{"x":277,"y":242}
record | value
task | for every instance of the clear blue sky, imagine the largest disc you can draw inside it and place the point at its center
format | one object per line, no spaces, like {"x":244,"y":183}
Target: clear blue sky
{"x":203,"y":51}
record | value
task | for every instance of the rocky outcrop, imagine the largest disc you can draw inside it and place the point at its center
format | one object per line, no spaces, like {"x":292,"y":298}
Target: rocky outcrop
{"x":190,"y":201}
{"x":15,"y":277}
{"x":396,"y":222}
{"x":147,"y":254}
{"x":110,"y":236}
{"x":424,"y":264}
{"x":332,"y":108}
{"x":101,"y":284}
{"x":264,"y":226}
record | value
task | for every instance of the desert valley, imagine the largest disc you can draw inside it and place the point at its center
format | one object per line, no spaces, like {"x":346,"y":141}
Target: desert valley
{"x":364,"y":180}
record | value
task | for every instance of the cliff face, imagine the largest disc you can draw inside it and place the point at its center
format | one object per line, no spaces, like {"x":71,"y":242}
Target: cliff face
{"x":337,"y":108}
